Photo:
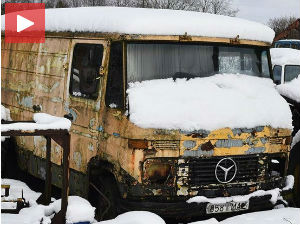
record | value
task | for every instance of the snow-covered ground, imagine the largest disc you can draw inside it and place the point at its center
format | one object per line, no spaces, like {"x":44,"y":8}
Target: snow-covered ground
{"x":80,"y":210}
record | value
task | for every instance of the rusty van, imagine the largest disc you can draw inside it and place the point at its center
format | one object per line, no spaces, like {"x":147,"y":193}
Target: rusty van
{"x":82,"y":73}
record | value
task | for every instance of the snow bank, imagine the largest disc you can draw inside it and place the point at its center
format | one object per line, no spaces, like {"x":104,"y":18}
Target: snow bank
{"x":5,"y":114}
{"x":136,"y":217}
{"x":275,"y":216}
{"x":275,"y":193}
{"x":283,"y":56}
{"x":154,"y":22}
{"x":43,"y":121}
{"x":291,"y":89}
{"x":223,"y":100}
{"x":79,"y":210}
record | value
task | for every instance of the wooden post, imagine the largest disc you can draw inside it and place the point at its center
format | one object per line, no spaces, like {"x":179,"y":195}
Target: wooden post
{"x":45,"y":197}
{"x":66,"y":175}
{"x":60,"y":217}
{"x":48,"y":173}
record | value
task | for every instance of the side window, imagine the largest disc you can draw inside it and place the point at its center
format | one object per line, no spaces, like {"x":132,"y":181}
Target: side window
{"x":86,"y":63}
{"x":265,"y":69}
{"x":291,"y":72}
{"x":114,"y":97}
{"x":277,"y":74}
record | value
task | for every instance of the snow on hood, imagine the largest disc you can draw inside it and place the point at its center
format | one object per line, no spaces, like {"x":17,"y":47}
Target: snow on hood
{"x":291,"y":89}
{"x":284,"y":56}
{"x":153,"y":22}
{"x":223,"y":100}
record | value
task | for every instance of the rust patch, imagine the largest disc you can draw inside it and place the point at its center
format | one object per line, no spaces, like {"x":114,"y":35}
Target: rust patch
{"x":207,"y":146}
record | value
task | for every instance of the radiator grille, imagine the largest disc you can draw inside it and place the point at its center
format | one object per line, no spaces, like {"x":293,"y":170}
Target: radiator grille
{"x":202,"y":170}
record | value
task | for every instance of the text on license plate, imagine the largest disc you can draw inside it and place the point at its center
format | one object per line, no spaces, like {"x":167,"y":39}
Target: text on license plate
{"x":227,"y":207}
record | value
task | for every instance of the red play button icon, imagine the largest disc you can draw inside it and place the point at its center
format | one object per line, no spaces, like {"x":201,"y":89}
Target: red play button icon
{"x":25,"y":22}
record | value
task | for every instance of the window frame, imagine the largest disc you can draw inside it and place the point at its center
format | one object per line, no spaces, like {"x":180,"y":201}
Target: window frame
{"x":104,"y":43}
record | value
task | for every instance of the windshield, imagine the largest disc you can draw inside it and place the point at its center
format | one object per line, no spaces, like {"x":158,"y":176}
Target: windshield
{"x":148,"y":61}
{"x":291,"y":72}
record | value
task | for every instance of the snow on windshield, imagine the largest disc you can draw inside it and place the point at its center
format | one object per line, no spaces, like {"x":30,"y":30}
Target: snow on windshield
{"x":153,"y":21}
{"x":223,"y":100}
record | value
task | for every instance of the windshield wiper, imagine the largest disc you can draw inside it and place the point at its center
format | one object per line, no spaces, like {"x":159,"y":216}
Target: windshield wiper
{"x":179,"y":75}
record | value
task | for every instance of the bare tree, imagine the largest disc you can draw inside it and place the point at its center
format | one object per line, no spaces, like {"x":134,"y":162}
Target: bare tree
{"x":279,"y":24}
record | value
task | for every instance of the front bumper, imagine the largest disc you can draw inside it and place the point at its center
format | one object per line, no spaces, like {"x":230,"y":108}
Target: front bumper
{"x":186,"y":212}
{"x":181,"y":211}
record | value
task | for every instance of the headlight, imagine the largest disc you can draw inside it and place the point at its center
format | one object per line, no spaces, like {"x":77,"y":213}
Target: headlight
{"x":158,"y":171}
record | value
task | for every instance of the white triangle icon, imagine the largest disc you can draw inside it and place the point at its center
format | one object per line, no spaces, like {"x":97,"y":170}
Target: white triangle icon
{"x":23,"y":23}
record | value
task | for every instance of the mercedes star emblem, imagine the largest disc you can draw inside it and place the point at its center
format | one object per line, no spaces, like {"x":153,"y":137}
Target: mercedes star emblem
{"x":225,"y":170}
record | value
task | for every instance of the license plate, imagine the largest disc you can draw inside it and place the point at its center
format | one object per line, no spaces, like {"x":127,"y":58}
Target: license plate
{"x":227,"y":207}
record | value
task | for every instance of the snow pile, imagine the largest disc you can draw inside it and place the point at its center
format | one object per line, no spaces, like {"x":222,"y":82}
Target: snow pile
{"x":43,"y":121}
{"x":79,"y":210}
{"x":289,"y":183}
{"x":275,"y":193}
{"x":296,"y":139}
{"x":284,"y":56}
{"x":30,"y":215}
{"x":5,"y":114}
{"x":291,"y":89}
{"x":136,"y":217}
{"x":275,"y":216}
{"x":223,"y":100}
{"x":16,"y":188}
{"x":153,"y":22}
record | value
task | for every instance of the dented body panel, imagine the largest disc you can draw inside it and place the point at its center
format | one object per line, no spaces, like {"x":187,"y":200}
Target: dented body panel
{"x":146,"y":163}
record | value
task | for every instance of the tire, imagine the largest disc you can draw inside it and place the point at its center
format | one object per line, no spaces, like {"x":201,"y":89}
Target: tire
{"x":107,"y":206}
{"x":294,"y":169}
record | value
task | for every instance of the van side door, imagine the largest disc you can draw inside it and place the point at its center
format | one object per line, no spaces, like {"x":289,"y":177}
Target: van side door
{"x":84,"y":97}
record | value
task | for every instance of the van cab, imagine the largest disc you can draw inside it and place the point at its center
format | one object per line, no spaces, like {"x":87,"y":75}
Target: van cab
{"x":286,"y":64}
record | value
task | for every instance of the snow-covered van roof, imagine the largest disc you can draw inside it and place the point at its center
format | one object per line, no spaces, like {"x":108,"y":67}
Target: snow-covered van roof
{"x":285,"y":56}
{"x":153,"y":22}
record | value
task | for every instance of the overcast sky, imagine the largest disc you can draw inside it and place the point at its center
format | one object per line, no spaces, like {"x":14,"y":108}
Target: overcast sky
{"x":263,"y":10}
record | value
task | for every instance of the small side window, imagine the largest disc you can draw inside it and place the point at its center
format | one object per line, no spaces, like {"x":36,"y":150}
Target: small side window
{"x":277,"y":74}
{"x":86,"y":63}
{"x":114,"y":97}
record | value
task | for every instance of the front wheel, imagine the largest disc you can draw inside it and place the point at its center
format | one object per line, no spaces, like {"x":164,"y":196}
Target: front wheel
{"x":104,"y":195}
